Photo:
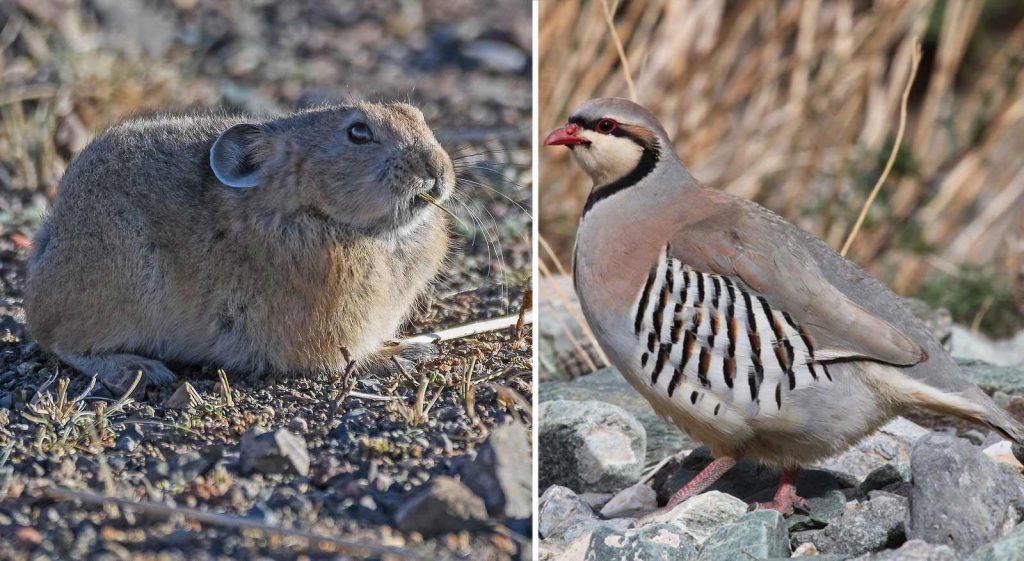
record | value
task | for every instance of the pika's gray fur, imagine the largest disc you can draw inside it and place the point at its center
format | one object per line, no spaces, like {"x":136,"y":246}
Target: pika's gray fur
{"x":307,"y":242}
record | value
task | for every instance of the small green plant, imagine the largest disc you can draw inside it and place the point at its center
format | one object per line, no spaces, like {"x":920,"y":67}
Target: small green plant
{"x":971,"y":291}
{"x":66,"y":425}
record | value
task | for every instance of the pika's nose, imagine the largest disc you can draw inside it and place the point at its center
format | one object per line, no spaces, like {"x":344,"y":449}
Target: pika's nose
{"x":435,"y":164}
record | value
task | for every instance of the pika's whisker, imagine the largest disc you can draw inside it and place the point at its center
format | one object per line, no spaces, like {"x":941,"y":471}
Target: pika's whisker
{"x":497,"y":192}
{"x":431,"y":200}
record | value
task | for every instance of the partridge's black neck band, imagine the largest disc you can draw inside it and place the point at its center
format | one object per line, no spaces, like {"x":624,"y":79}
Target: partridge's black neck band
{"x":648,"y":160}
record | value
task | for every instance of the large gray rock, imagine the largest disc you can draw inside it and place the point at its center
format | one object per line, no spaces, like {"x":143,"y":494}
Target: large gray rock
{"x":757,"y":535}
{"x":747,"y":480}
{"x":559,"y":510}
{"x":867,"y":527}
{"x":959,"y":497}
{"x":913,"y":550}
{"x":663,"y":438}
{"x":699,"y":517}
{"x":1007,"y":548}
{"x":654,"y":542}
{"x":589,"y":446}
{"x":890,"y":444}
{"x":497,"y":474}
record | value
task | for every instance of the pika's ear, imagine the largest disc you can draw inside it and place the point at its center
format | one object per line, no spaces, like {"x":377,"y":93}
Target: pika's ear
{"x":235,"y":158}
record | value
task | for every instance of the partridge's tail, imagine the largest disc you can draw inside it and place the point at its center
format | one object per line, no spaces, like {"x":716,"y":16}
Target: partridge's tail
{"x":970,"y":404}
{"x":1001,"y":422}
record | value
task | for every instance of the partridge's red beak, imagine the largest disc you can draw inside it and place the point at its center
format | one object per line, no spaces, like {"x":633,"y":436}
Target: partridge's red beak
{"x":565,"y":136}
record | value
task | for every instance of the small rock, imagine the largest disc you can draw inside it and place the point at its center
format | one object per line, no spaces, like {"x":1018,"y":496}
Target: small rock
{"x":277,"y":451}
{"x":869,"y":526}
{"x":805,"y":550}
{"x":959,"y":498}
{"x":1002,"y":453}
{"x":756,"y":535}
{"x":126,"y":443}
{"x":657,"y":542}
{"x":596,"y":501}
{"x":884,"y":477}
{"x":1007,"y":548}
{"x":913,"y":550}
{"x":824,"y":510}
{"x":497,"y":473}
{"x":298,"y":425}
{"x":700,"y":516}
{"x":559,"y":509}
{"x":184,"y":397}
{"x":637,"y":498}
{"x":890,"y":444}
{"x":441,"y":506}
{"x":589,"y":446}
{"x":498,"y":56}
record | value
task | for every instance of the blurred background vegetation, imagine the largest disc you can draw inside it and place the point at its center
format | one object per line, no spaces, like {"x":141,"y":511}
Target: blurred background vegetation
{"x":794,"y":104}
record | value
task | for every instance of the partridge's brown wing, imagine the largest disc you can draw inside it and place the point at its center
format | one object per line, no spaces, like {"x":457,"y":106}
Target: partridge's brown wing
{"x":751,"y":245}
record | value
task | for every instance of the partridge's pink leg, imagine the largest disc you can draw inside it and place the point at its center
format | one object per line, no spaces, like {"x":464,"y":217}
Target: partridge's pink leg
{"x":706,"y":478}
{"x":785,"y":496}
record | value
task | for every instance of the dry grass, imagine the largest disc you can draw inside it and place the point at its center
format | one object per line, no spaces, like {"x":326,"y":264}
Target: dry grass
{"x":795,"y":104}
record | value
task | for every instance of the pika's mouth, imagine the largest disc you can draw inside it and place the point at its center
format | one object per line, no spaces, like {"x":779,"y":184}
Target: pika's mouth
{"x":431,"y":196}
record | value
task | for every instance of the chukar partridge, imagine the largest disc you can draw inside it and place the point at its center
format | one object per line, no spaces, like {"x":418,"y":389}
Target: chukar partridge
{"x":747,"y":332}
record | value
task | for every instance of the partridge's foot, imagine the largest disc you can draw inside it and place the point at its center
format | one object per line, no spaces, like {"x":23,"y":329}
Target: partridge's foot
{"x":785,"y":496}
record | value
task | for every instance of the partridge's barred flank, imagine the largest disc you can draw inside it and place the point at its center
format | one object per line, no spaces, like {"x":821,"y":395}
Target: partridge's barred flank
{"x":749,"y":333}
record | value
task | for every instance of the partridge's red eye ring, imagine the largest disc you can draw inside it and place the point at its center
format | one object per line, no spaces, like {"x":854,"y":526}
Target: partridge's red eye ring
{"x":605,"y":126}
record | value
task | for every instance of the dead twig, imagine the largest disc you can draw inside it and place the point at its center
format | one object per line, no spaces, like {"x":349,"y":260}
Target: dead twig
{"x":914,"y":61}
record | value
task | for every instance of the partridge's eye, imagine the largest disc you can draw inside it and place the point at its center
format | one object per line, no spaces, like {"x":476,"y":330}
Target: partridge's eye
{"x":605,"y":126}
{"x":360,"y":133}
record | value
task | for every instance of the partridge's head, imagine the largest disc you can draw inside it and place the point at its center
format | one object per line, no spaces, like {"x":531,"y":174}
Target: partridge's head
{"x":612,"y":138}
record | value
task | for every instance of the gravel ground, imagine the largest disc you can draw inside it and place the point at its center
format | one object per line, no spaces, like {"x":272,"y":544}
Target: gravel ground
{"x":70,"y":72}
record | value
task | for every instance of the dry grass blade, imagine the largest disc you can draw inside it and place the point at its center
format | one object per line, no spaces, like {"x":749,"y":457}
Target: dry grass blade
{"x":564,"y":299}
{"x":433,"y":201}
{"x":225,"y":388}
{"x":914,"y":61}
{"x":610,"y":20}
{"x":356,"y":547}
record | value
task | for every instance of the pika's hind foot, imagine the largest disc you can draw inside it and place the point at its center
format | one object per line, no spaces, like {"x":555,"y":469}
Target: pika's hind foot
{"x":118,"y":371}
{"x":383,"y":362}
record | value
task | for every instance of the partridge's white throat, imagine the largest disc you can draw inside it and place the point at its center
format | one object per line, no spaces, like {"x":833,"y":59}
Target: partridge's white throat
{"x":747,"y":332}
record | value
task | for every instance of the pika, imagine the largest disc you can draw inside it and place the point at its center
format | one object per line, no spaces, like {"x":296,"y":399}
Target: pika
{"x":284,"y":246}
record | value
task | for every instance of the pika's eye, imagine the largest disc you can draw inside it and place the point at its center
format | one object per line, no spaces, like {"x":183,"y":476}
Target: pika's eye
{"x":360,"y":133}
{"x":605,"y":126}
